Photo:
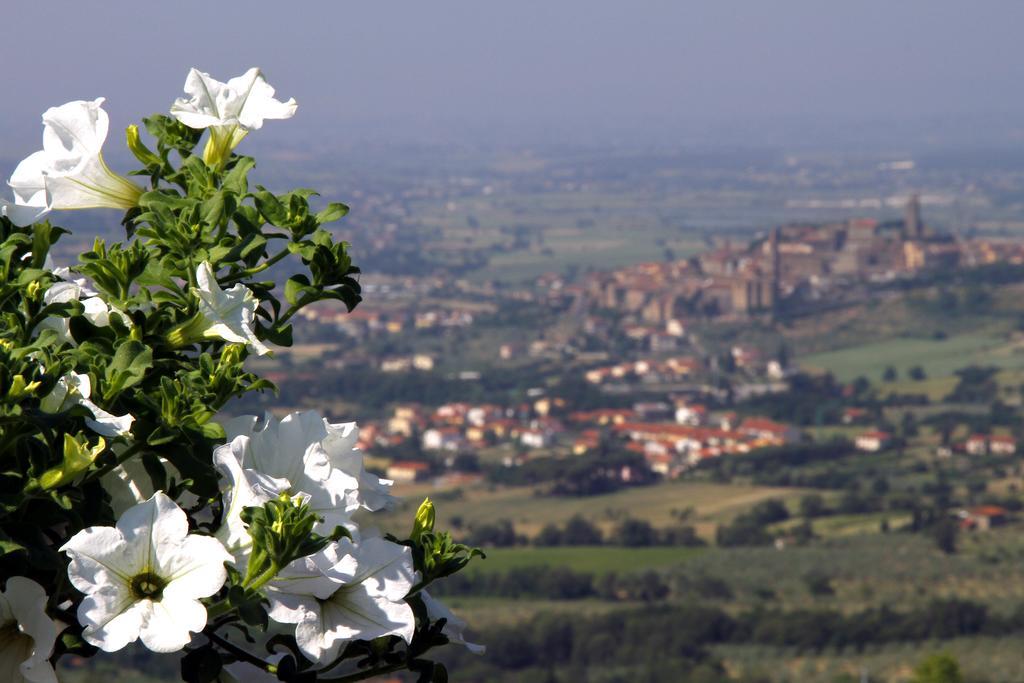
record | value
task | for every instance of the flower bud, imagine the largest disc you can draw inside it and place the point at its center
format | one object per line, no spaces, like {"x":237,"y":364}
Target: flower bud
{"x":20,"y":388}
{"x":77,"y":459}
{"x":141,"y":152}
{"x":424,"y":522}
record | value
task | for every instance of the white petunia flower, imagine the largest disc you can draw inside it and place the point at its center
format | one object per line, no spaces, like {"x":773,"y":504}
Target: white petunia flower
{"x":375,"y":575}
{"x":129,"y":483}
{"x":27,"y":634}
{"x":228,"y":315}
{"x":230,"y":110}
{"x":26,"y":214}
{"x":301,"y":587}
{"x":74,"y":389}
{"x":283,"y":456}
{"x":246,"y":488}
{"x":454,"y":626}
{"x":144,"y":577}
{"x":69,"y":172}
{"x":94,"y":309}
{"x":373,"y":493}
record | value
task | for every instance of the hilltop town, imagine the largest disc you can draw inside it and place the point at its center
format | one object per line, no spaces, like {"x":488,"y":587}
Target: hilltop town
{"x":621,"y":362}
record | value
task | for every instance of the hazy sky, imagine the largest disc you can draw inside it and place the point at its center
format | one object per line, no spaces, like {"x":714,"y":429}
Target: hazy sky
{"x":482,"y":68}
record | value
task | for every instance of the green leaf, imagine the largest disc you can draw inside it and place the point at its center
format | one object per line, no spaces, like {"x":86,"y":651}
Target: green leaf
{"x":127,"y":368}
{"x":214,"y":207}
{"x":295,"y":287}
{"x":212,"y":430}
{"x":281,"y":336}
{"x":166,"y":199}
{"x":236,"y":180}
{"x":333,"y":212}
{"x":272,"y":209}
{"x":8,"y":546}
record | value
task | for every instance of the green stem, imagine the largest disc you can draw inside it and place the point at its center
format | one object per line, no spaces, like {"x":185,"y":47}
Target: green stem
{"x":295,"y":308}
{"x":239,"y":652}
{"x":122,"y":458}
{"x":261,"y":580}
{"x":248,"y":272}
{"x":218,"y":609}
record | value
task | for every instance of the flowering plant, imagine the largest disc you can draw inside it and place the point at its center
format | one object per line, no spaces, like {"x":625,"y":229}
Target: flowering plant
{"x":130,"y":510}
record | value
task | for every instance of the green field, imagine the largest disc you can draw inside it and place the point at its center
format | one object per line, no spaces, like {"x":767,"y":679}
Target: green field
{"x":660,"y":504}
{"x":563,"y":229}
{"x":981,"y":659}
{"x":598,"y":560}
{"x":938,"y":358}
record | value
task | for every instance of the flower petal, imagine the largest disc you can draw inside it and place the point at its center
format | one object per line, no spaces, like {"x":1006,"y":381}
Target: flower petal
{"x":195,"y":569}
{"x":75,"y":130}
{"x":29,"y":182}
{"x":244,"y":101}
{"x":454,"y":626}
{"x":112,"y":618}
{"x":127,"y":484}
{"x":371,"y":492}
{"x":23,"y":215}
{"x":100,"y":557}
{"x":246,"y":488}
{"x":156,"y":527}
{"x":231,"y":314}
{"x":90,"y":184}
{"x":296,"y":591}
{"x":254,"y":100}
{"x":106,"y":424}
{"x":167,"y":624}
{"x":386,"y":568}
{"x":202,"y":110}
{"x":354,"y":613}
{"x":26,"y":601}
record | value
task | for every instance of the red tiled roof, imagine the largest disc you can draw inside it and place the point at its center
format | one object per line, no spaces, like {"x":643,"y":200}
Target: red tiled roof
{"x":988,"y":511}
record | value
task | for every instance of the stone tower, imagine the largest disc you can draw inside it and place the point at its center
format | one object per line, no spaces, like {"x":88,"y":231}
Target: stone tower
{"x":912,"y":227}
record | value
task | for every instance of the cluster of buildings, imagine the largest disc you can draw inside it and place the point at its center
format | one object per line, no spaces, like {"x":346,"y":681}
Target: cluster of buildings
{"x":671,"y":449}
{"x":671,"y":436}
{"x":976,"y":444}
{"x":659,"y":370}
{"x":791,"y":265}
{"x":395,"y":318}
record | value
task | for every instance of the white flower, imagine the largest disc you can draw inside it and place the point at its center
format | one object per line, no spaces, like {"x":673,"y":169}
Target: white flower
{"x":300,"y":587}
{"x":144,"y":577}
{"x":74,"y":389}
{"x":284,"y":456}
{"x":70,"y":169}
{"x":230,"y":110}
{"x":94,"y":309}
{"x":454,"y":627}
{"x":374,"y":577}
{"x":129,"y":483}
{"x":27,"y":634}
{"x":226,"y":315}
{"x":26,"y":214}
{"x":373,"y":492}
{"x":246,"y":488}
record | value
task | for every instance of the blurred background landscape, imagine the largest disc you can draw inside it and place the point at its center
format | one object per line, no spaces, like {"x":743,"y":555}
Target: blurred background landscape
{"x":705,"y":322}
